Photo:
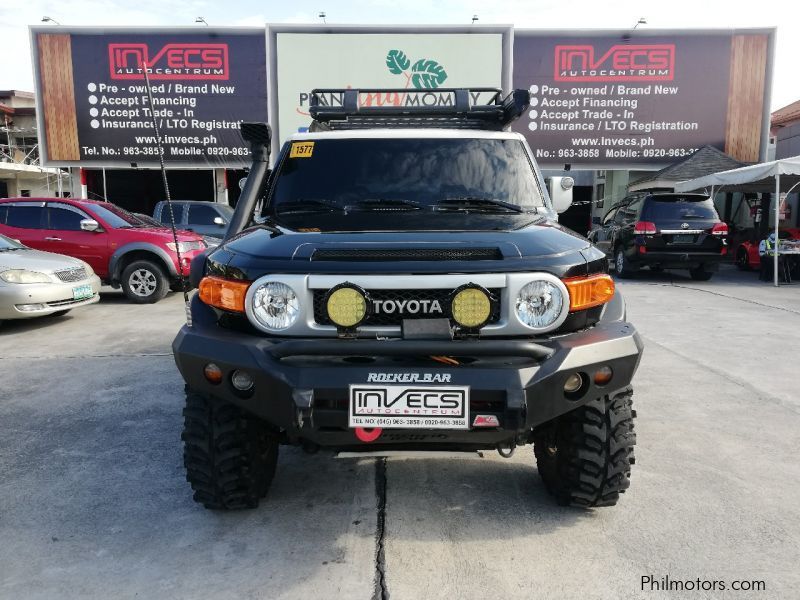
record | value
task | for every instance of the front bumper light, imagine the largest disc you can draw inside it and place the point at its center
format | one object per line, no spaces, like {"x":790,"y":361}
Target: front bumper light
{"x":471,"y":307}
{"x":275,"y":306}
{"x":542,"y":304}
{"x":347,"y":305}
{"x":186,"y":246}
{"x":24,"y":276}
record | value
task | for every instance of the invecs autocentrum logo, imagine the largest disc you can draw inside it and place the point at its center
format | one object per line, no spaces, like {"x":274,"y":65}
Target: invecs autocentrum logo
{"x":172,"y":61}
{"x":622,"y":62}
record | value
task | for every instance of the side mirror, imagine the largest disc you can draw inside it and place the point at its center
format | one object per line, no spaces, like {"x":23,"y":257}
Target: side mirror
{"x":90,"y":225}
{"x":561,"y":193}
{"x":219,"y":221}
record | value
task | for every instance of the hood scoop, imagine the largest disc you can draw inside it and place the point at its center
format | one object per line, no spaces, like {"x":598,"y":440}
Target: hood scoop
{"x":366,"y":254}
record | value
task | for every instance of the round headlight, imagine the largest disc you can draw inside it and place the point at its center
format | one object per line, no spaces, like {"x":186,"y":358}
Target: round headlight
{"x":540,"y":304}
{"x":471,"y":307}
{"x":346,"y":305}
{"x":275,"y":305}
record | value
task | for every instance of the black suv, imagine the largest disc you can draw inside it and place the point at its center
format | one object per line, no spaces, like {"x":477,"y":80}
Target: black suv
{"x":404,"y":288}
{"x":663,"y":231}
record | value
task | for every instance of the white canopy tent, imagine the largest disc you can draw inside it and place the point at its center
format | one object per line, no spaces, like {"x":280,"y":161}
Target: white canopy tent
{"x":775,"y":177}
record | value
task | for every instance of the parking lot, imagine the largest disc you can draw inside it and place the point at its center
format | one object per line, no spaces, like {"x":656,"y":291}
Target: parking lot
{"x":93,"y":501}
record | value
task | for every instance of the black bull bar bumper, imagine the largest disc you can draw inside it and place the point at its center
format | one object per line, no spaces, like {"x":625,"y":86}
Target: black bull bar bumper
{"x":301,"y":386}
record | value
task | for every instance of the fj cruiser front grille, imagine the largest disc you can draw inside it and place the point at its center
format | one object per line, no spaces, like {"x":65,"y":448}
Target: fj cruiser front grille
{"x":383,"y":254}
{"x":72,"y":275}
{"x":395,"y":318}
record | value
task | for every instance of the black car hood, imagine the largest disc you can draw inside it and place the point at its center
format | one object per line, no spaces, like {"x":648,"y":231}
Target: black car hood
{"x":543,"y":246}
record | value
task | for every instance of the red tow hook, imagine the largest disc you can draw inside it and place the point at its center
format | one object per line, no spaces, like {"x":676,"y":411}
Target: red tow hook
{"x":368,"y":435}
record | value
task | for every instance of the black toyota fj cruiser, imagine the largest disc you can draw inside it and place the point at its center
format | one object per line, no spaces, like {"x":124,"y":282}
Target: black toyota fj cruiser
{"x":403,"y":284}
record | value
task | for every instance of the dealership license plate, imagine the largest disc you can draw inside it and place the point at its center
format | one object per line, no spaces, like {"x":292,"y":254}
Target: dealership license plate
{"x":409,"y":407}
{"x":82,"y":292}
{"x":683,"y":239}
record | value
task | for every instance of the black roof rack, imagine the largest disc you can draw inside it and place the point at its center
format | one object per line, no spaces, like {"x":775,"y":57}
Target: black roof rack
{"x":451,"y":108}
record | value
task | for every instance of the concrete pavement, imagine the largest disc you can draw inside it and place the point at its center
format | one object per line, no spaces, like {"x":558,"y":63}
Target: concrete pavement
{"x":93,"y":501}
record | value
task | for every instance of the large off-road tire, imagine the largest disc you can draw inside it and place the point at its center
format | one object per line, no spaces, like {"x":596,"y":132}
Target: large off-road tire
{"x":622,"y":265}
{"x":144,"y":282}
{"x":585,"y":456}
{"x":230,"y":457}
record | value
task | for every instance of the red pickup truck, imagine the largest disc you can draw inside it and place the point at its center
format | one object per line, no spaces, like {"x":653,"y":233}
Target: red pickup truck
{"x":123,"y":250}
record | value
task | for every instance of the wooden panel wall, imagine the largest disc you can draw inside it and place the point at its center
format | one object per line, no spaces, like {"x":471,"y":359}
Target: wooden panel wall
{"x":58,"y":101}
{"x":746,"y":96}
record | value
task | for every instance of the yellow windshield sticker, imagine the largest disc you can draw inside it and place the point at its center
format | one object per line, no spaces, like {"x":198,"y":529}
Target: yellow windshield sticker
{"x":301,"y":150}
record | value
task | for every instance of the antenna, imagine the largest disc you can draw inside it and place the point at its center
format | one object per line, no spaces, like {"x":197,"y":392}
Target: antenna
{"x":201,"y":20}
{"x":169,"y":199}
{"x":474,"y":18}
{"x":641,"y":21}
{"x":46,"y":19}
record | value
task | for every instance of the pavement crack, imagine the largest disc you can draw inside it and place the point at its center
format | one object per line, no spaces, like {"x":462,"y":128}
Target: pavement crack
{"x":381,"y":591}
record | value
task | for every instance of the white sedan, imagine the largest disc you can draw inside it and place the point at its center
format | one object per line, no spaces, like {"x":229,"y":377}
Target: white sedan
{"x":35,"y":283}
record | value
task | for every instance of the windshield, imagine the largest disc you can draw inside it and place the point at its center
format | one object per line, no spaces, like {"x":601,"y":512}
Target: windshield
{"x":683,"y":208}
{"x":7,"y":243}
{"x":430,"y":180}
{"x":226,"y":210}
{"x":116,"y":217}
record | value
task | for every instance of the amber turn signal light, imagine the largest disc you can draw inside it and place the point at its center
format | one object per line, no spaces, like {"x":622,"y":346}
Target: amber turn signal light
{"x":586,"y":292}
{"x":224,"y":293}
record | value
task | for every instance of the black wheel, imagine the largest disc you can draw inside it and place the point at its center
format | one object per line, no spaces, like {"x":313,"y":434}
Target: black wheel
{"x":622,"y":265}
{"x":230,"y":457}
{"x":742,"y":259}
{"x":700,"y":274}
{"x":144,"y":282}
{"x":585,"y":456}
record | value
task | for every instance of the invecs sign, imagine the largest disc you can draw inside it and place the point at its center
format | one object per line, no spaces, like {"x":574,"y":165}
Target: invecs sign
{"x":173,"y":61}
{"x":621,"y":62}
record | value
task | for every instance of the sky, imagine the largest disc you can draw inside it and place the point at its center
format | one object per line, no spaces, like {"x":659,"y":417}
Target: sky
{"x":15,"y":64}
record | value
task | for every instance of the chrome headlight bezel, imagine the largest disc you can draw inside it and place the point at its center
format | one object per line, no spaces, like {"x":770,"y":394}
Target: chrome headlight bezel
{"x":562,"y":314}
{"x":255,"y":313}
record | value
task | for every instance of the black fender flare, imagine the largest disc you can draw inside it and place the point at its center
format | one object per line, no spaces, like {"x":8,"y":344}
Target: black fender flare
{"x":115,"y":264}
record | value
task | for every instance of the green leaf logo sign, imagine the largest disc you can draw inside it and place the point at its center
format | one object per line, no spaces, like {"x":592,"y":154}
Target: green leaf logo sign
{"x":397,"y":61}
{"x":427,"y":74}
{"x":423,"y":75}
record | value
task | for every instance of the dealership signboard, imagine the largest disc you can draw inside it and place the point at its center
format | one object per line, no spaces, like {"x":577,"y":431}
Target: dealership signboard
{"x":633,"y":99}
{"x":600,"y":99}
{"x":94,"y":108}
{"x":413,"y":58}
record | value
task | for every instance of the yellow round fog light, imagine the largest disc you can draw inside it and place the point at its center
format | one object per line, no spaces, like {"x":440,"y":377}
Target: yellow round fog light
{"x":346,"y":306}
{"x":471,"y":307}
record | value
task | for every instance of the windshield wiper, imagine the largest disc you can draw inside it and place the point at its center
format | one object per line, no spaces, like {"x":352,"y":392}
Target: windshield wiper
{"x":479,"y":203}
{"x":308,"y":205}
{"x":393,"y":204}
